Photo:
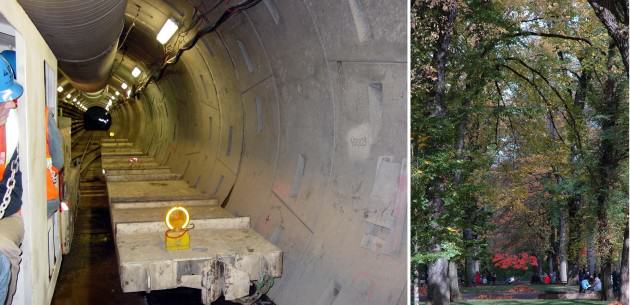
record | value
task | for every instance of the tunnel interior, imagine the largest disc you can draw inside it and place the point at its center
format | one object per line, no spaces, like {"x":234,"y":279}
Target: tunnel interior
{"x":97,"y":118}
{"x":290,"y":112}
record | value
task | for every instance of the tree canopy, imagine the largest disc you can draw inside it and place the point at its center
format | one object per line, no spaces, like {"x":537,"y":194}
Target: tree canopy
{"x":519,"y":125}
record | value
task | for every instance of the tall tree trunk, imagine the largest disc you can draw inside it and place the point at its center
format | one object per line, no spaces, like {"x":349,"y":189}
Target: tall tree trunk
{"x":437,"y":280}
{"x":624,"y":270}
{"x":439,"y":290}
{"x":590,"y":254}
{"x":550,"y":262}
{"x":575,"y":237}
{"x":453,"y":281}
{"x":440,"y":55}
{"x":416,"y":272}
{"x":606,"y":169}
{"x":539,"y":268}
{"x":605,"y":277}
{"x":562,"y":249}
{"x":470,"y":260}
{"x":614,"y":16}
{"x":553,"y":250}
{"x":573,"y":221}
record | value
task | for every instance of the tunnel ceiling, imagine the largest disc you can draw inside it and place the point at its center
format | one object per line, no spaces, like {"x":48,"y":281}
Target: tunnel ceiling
{"x":137,"y":45}
{"x":292,"y":113}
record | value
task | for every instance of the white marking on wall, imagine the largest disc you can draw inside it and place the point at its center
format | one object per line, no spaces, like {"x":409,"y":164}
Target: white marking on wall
{"x":297,"y":176}
{"x":248,"y":61}
{"x":259,"y":115}
{"x":361,"y":137}
{"x":360,"y":20}
{"x":273,"y":10}
{"x":358,"y":142}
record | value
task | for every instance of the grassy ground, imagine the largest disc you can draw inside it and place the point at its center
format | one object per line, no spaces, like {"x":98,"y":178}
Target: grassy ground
{"x":537,"y":302}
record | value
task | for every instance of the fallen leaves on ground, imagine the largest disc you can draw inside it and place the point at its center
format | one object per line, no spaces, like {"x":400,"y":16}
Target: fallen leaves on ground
{"x":521,"y":288}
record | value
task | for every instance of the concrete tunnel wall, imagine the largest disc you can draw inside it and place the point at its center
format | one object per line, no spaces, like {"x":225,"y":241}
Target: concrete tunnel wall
{"x":294,"y":113}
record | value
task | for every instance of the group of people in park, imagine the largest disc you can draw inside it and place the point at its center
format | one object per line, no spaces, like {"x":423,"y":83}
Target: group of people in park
{"x":485,"y":278}
{"x":589,"y":282}
{"x":545,"y":279}
{"x":592,"y":282}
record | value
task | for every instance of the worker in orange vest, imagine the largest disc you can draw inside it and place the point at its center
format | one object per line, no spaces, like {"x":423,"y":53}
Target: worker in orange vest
{"x":54,"y":163}
{"x":11,"y":223}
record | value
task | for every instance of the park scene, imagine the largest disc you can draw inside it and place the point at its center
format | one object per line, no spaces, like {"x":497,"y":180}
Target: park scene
{"x":519,"y":152}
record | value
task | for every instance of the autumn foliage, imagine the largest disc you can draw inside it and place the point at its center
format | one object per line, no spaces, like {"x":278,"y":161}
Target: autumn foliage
{"x":520,"y":261}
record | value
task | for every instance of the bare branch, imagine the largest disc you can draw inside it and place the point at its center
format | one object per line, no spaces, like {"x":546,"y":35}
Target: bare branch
{"x":552,"y":35}
{"x":542,"y":96}
{"x":571,"y":118}
{"x":512,"y":129}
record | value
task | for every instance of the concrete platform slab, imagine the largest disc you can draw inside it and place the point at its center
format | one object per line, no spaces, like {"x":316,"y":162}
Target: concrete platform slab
{"x":122,"y":152}
{"x":163,"y":203}
{"x":134,"y":165}
{"x":226,"y":255}
{"x":138,"y":171}
{"x":126,"y":158}
{"x":157,"y":214}
{"x":146,"y":265}
{"x":113,"y":140}
{"x":116,"y":144}
{"x":167,"y":190}
{"x":144,"y":177}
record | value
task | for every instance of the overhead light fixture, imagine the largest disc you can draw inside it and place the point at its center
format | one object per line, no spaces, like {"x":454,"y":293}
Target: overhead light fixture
{"x":117,"y":93}
{"x":124,"y":86}
{"x":60,"y":89}
{"x":168,"y":29}
{"x":68,"y":96}
{"x":136,"y":72}
{"x":74,"y":99}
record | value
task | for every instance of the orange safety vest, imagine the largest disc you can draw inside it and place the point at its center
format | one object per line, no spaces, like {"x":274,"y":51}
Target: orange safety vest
{"x":3,"y":150}
{"x":52,"y":173}
{"x":52,"y":177}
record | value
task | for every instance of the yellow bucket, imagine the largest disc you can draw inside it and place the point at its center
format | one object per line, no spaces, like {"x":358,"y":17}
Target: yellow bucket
{"x":175,"y":240}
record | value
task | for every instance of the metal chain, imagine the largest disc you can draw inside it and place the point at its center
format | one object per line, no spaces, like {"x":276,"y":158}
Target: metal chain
{"x":10,"y":185}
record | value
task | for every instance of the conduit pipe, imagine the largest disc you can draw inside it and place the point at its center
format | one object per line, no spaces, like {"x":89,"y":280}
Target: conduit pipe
{"x":83,"y":34}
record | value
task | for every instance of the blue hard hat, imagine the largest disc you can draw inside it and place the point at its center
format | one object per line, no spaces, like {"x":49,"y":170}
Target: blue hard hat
{"x":9,"y":55}
{"x":9,"y":89}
